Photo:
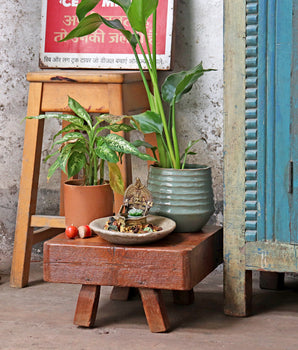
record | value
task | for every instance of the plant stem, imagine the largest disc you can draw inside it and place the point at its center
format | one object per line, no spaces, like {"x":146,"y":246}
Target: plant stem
{"x":92,"y":158}
{"x":170,"y":118}
{"x":142,"y":51}
{"x":145,"y":82}
{"x":174,"y":138}
{"x":163,"y":119}
{"x":184,"y":160}
{"x":154,"y":108}
{"x":158,"y":107}
{"x":95,"y":179}
{"x":154,"y":39}
{"x":152,"y":60}
{"x":101,"y":171}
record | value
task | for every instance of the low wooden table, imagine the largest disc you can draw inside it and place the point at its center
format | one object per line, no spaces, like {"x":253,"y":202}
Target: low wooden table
{"x":177,"y":262}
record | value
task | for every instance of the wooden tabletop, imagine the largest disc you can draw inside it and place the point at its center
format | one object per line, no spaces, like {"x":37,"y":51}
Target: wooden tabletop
{"x":177,"y":262}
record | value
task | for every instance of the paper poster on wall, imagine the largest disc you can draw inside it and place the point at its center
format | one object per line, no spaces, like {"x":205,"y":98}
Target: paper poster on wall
{"x":104,"y":49}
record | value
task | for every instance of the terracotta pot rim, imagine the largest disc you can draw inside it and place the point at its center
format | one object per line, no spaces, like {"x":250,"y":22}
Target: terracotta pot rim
{"x":79,"y":182}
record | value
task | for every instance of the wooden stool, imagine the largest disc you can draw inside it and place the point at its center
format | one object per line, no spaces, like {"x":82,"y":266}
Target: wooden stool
{"x":114,"y":92}
{"x":177,"y":262}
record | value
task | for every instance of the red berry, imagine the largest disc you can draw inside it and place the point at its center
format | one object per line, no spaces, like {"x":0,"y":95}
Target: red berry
{"x":85,"y":231}
{"x":71,"y":231}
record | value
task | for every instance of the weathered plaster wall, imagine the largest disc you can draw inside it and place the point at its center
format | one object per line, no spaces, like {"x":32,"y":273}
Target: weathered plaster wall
{"x":199,"y":27}
{"x":19,"y":26}
{"x":199,"y":37}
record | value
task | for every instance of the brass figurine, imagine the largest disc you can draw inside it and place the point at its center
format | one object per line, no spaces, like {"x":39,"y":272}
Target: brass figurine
{"x":136,"y":204}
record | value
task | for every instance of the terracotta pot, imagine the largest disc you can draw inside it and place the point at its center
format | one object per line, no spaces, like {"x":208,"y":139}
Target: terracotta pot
{"x":184,"y":196}
{"x":83,"y":204}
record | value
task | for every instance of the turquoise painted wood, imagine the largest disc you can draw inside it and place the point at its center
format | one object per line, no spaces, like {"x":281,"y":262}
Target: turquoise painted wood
{"x":261,"y":131}
{"x":262,"y":105}
{"x":283,"y":95}
{"x":294,"y":128}
{"x":251,"y":122}
{"x":271,"y":131}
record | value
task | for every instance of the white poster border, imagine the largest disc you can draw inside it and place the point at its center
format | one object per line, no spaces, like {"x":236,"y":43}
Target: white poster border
{"x":103,"y":61}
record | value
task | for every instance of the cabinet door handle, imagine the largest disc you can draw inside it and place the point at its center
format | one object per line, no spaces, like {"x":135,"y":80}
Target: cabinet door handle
{"x":291,"y":175}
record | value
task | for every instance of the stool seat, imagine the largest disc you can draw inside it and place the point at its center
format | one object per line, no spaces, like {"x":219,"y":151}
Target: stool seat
{"x":177,"y":262}
{"x":113,"y":92}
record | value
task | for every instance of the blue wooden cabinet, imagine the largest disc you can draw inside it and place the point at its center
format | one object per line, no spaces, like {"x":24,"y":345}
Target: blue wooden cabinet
{"x":261,"y":144}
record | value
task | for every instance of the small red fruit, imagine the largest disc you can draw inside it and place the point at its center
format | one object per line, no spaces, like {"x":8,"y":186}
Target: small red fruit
{"x":71,"y":231}
{"x":85,"y":231}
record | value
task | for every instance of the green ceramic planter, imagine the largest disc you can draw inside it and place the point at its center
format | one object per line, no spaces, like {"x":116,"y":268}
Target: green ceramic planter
{"x":186,"y":196}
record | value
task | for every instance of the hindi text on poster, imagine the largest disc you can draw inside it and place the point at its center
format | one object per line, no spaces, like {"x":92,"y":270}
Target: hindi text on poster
{"x":104,"y":49}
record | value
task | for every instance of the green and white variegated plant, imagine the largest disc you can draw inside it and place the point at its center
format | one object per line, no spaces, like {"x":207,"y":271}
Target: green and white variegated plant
{"x":175,"y":86}
{"x":82,"y":147}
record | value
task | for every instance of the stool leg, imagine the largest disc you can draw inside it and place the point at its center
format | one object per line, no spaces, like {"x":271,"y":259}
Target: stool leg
{"x":28,"y":190}
{"x":183,"y":297}
{"x":87,"y":304}
{"x":120,"y":293}
{"x":155,"y":310}
{"x":123,"y":293}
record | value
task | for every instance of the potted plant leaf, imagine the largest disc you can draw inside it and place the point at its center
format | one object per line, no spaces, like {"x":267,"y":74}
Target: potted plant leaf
{"x":83,"y":148}
{"x":180,"y":191}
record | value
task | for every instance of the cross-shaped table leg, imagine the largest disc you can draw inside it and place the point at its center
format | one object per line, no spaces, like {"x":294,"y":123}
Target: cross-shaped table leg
{"x":154,"y":307}
{"x":87,"y":305}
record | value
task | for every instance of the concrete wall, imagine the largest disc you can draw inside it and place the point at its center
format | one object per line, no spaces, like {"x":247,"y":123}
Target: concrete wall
{"x":199,"y":27}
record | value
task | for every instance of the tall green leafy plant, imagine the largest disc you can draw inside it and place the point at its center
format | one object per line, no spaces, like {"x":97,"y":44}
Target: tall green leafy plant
{"x":82,"y":147}
{"x":175,"y":86}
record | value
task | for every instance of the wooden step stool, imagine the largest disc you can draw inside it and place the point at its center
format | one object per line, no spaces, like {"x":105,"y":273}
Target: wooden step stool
{"x":114,"y":92}
{"x":177,"y":262}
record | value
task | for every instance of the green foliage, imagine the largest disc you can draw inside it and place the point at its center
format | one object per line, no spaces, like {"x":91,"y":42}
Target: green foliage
{"x":84,"y":7}
{"x":187,"y":151}
{"x":138,"y":13}
{"x":175,"y":86}
{"x":81,"y":146}
{"x":178,"y":84}
{"x":86,"y":26}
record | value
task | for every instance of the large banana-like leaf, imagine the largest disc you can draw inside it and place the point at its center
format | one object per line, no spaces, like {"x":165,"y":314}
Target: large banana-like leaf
{"x":116,"y":180}
{"x":140,"y":143}
{"x":116,"y":24}
{"x":139,"y":12}
{"x":84,"y":7}
{"x":148,"y":122}
{"x":86,"y":26}
{"x":178,"y":84}
{"x":124,"y":4}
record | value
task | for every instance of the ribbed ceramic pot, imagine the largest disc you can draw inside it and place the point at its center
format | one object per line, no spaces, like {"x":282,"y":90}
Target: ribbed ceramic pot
{"x":83,"y":204}
{"x":184,"y":195}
